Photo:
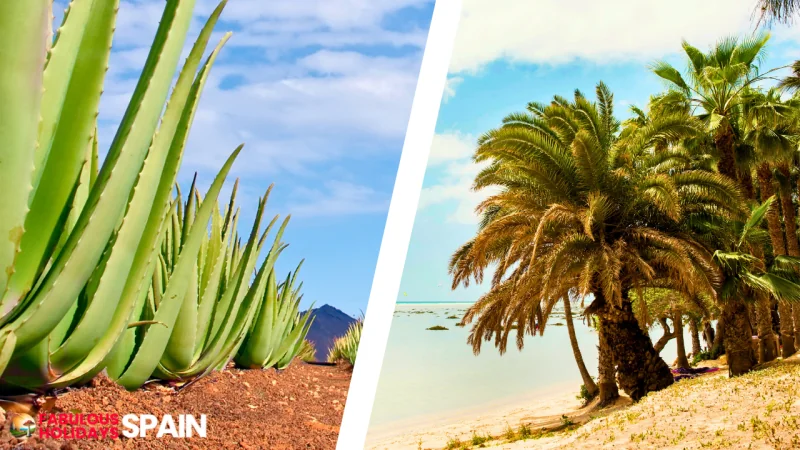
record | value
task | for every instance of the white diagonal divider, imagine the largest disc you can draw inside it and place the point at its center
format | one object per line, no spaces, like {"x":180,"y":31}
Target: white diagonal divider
{"x":399,"y":223}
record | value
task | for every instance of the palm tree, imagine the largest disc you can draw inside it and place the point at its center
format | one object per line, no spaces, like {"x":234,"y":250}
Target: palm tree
{"x":746,"y":276}
{"x":694,"y":332}
{"x":581,"y":210}
{"x":768,"y":126}
{"x":501,"y":246}
{"x":776,"y":11}
{"x":591,"y":387}
{"x":718,"y":85}
{"x":741,"y":120}
{"x":658,"y":306}
{"x":608,"y":391}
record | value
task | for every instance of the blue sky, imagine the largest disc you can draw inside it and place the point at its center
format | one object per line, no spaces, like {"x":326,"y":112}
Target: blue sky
{"x":530,"y":51}
{"x":320,"y":92}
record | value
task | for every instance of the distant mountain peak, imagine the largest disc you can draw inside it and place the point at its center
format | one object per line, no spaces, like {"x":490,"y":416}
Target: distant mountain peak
{"x":329,"y":324}
{"x":327,"y":307}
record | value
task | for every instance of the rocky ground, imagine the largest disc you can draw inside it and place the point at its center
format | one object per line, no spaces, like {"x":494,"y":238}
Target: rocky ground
{"x":298,"y":408}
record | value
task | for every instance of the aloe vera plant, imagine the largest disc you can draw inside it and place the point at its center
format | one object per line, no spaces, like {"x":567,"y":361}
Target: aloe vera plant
{"x":278,"y":331}
{"x":187,"y":338}
{"x":346,"y":347}
{"x":80,"y":242}
{"x":308,"y":352}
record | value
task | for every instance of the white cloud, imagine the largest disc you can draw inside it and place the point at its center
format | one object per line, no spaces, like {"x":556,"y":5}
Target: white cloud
{"x":338,"y":198}
{"x":332,"y":62}
{"x":554,"y":31}
{"x":451,"y":146}
{"x":451,"y":156}
{"x":339,"y":14}
{"x":297,"y":113}
{"x":450,"y":88}
{"x":455,"y":188}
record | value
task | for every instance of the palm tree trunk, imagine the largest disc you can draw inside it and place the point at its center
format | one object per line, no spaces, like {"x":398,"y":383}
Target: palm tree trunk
{"x":718,"y":347}
{"x":695,"y":333}
{"x":606,"y":370}
{"x":773,"y":213}
{"x":779,"y":247}
{"x":708,"y":335}
{"x":751,"y":315}
{"x":677,"y":320}
{"x":787,"y":329}
{"x":588,"y":382}
{"x":666,"y":337}
{"x":776,"y":318}
{"x":792,"y":244}
{"x":789,"y":216}
{"x":746,"y":181}
{"x":796,"y":317}
{"x":767,"y":341}
{"x":639,"y":368}
{"x":738,"y":338}
{"x":723,"y":141}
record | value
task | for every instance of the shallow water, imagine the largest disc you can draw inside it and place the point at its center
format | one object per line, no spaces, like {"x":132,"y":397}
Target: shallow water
{"x":434,"y":374}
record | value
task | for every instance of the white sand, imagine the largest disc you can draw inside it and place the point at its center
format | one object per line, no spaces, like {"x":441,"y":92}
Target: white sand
{"x":760,"y":410}
{"x":463,"y":425}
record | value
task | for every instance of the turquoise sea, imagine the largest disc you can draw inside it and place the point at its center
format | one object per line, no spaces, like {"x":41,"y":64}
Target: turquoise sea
{"x":432,"y":377}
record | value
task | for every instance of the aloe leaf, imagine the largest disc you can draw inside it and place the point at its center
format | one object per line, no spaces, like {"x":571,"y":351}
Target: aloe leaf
{"x":7,"y":341}
{"x":122,"y":349}
{"x":233,"y":299}
{"x":107,"y":200}
{"x":24,"y":30}
{"x":211,"y":250}
{"x":234,"y":290}
{"x":153,"y":236}
{"x":123,"y":255}
{"x":221,"y":337}
{"x":155,"y":340}
{"x":242,"y":320}
{"x":73,"y":84}
{"x":28,"y":369}
{"x":188,"y":216}
{"x":180,"y":348}
{"x":257,"y":345}
{"x":291,"y":343}
{"x":208,"y":300}
{"x":61,"y":75}
{"x":82,"y":191}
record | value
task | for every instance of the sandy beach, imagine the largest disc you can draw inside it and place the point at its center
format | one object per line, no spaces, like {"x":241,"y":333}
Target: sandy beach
{"x":759,"y":410}
{"x":494,"y":421}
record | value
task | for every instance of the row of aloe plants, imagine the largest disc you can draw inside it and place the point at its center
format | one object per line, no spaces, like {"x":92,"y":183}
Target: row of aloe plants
{"x":106,"y":266}
{"x":345,"y":347}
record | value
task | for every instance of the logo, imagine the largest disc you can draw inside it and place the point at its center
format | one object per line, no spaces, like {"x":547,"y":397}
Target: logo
{"x":186,"y":426}
{"x":109,"y":426}
{"x":78,"y":426}
{"x":22,"y":426}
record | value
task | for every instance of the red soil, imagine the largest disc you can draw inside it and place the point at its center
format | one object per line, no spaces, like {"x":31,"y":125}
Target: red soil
{"x":298,"y":408}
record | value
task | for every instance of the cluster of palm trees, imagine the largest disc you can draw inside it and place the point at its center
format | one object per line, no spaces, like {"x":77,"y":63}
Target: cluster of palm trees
{"x":685,"y":213}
